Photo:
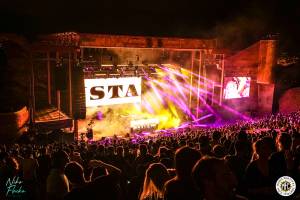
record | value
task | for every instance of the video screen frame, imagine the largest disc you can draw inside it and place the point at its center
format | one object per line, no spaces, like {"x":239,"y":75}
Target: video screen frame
{"x":236,"y":87}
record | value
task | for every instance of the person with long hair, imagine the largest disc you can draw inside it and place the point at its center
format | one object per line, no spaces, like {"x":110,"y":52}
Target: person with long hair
{"x":257,"y":176}
{"x":156,"y":176}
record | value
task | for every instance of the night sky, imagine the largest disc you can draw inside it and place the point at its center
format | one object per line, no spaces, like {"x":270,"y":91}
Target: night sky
{"x":237,"y":23}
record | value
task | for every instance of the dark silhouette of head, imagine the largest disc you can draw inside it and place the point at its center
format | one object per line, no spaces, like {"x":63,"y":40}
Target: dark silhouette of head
{"x":214,"y":179}
{"x":219,"y":151}
{"x":155,"y":177}
{"x":120,"y":151}
{"x":242,"y":135}
{"x":205,"y":147}
{"x":143,"y":149}
{"x":162,"y":151}
{"x":74,"y":172}
{"x":98,"y":172}
{"x":262,"y":148}
{"x":185,"y":159}
{"x":241,"y":149}
{"x":12,"y":166}
{"x":60,"y":159}
{"x":216,"y":136}
{"x":284,"y":141}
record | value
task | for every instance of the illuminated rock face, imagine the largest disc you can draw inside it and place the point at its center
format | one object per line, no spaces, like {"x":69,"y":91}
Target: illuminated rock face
{"x":14,"y":87}
{"x":14,"y":76}
{"x":11,"y":124}
{"x":290,"y":100}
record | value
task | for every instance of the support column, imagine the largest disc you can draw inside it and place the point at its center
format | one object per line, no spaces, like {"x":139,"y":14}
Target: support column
{"x":70,"y":84}
{"x":205,"y":81}
{"x":191,"y":80}
{"x":76,"y":136}
{"x":49,"y":78}
{"x":213,"y":93}
{"x":57,"y":91}
{"x":58,"y":99}
{"x":75,"y":121}
{"x":32,"y":91}
{"x":222,"y":80}
{"x":199,"y":84}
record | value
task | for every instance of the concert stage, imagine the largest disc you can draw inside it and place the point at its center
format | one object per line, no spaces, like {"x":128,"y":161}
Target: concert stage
{"x":119,"y":85}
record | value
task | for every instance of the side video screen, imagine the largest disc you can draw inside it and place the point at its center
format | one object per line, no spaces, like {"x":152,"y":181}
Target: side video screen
{"x":236,"y":87}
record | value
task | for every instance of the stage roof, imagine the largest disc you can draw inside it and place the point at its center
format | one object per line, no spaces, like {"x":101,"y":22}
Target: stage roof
{"x":72,"y":39}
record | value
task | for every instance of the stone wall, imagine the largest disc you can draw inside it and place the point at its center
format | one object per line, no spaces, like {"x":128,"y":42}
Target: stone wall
{"x":290,"y":100}
{"x":257,"y":62}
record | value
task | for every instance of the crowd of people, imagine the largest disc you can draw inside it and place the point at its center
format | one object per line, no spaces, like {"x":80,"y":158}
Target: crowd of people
{"x":237,"y":161}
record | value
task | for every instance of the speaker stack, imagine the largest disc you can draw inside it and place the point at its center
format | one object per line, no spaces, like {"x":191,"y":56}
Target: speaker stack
{"x":78,"y":90}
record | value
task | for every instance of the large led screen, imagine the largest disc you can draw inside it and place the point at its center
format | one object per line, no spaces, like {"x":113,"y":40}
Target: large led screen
{"x":108,"y":91}
{"x":236,"y":87}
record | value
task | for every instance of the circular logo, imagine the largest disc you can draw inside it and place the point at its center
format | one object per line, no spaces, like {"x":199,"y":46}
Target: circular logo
{"x":285,"y":186}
